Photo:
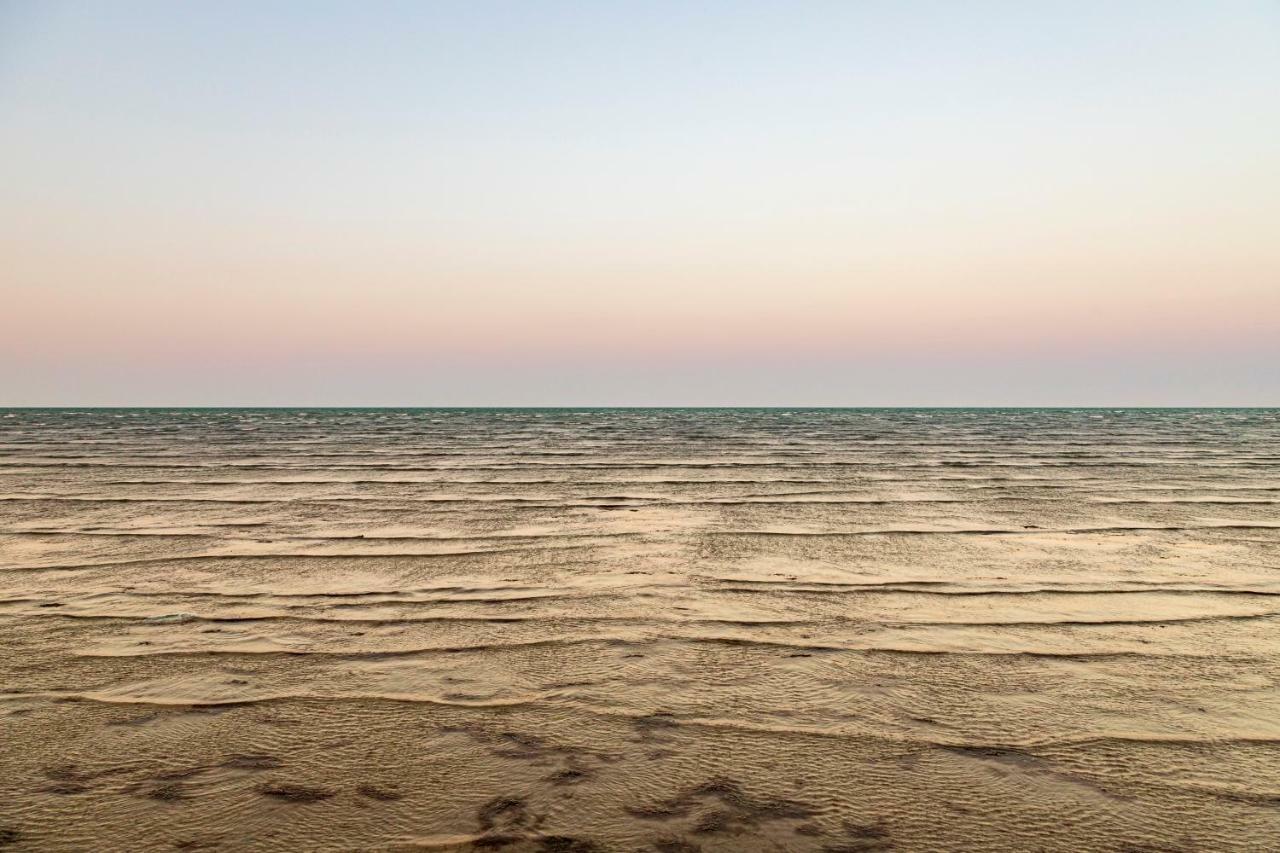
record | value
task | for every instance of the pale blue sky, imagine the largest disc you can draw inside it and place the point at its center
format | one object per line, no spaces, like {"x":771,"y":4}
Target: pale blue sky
{"x":640,"y":203}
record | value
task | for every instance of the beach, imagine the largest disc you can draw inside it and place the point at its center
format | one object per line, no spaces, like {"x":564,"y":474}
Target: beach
{"x":640,"y":629}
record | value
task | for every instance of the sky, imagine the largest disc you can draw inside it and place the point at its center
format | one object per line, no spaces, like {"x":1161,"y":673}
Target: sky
{"x":262,"y":202}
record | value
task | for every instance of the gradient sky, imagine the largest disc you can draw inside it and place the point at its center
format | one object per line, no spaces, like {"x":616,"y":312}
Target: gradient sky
{"x":608,"y":203}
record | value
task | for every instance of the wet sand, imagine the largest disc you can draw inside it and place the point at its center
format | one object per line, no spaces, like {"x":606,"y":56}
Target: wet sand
{"x":640,"y":630}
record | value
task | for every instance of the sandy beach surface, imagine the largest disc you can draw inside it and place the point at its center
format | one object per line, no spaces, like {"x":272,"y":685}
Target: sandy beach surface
{"x":661,"y":630}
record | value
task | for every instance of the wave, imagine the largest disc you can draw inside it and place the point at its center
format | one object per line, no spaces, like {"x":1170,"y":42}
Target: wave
{"x":1056,"y":623}
{"x":388,"y":555}
{"x":998,"y":531}
{"x":923,"y":588}
{"x":349,"y":654}
{"x":241,"y":702}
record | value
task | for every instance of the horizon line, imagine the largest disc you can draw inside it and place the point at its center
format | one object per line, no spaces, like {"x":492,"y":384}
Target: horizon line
{"x":596,"y":407}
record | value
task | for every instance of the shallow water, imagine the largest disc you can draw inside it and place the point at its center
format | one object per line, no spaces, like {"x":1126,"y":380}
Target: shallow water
{"x":668,"y":630}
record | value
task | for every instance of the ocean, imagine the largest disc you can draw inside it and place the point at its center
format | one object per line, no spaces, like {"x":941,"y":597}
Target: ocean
{"x":640,"y":629}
